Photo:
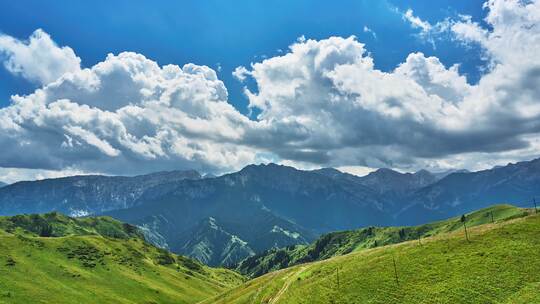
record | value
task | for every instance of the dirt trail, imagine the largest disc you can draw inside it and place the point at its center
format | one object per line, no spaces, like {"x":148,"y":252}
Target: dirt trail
{"x":290,"y":279}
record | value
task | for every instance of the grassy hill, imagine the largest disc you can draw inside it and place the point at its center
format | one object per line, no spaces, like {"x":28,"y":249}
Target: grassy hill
{"x":96,"y":260}
{"x":343,"y":242}
{"x":500,"y":264}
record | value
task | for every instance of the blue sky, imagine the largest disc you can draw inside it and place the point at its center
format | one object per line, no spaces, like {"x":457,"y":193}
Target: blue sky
{"x":355,"y":85}
{"x":230,"y":33}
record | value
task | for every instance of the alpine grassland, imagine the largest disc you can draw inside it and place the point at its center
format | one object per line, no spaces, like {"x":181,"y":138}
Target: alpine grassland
{"x":498,"y":263}
{"x":344,"y":242}
{"x":52,"y":258}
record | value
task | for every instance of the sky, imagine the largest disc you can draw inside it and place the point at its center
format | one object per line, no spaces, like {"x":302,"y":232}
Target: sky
{"x":132,"y":87}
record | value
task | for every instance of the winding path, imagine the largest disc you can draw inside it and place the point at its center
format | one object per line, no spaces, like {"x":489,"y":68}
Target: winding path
{"x":290,"y":279}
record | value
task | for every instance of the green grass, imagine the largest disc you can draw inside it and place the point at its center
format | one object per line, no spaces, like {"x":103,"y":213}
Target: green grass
{"x":344,"y":242}
{"x":97,"y":260}
{"x":61,"y":225}
{"x":500,"y":264}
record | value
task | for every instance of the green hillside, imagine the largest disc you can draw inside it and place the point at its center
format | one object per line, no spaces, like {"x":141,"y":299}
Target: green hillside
{"x":96,"y":260}
{"x":344,"y":242}
{"x":500,"y":264}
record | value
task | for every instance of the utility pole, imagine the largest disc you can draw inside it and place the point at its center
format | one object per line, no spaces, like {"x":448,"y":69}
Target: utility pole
{"x":534,"y":202}
{"x":395,"y":269}
{"x":492,"y":220}
{"x":463,"y":220}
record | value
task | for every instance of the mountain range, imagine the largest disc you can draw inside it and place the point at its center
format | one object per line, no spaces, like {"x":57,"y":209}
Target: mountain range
{"x":83,"y":195}
{"x":222,"y":220}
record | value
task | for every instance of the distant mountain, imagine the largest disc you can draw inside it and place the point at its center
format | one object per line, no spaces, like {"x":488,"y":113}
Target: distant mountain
{"x":270,"y":206}
{"x":388,"y":188}
{"x":265,"y":206}
{"x":82,"y":195}
{"x":441,"y":175}
{"x":386,"y":181}
{"x":2,"y":184}
{"x":461,"y":192}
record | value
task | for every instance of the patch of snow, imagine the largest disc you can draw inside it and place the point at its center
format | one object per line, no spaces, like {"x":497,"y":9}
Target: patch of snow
{"x":78,"y":213}
{"x":293,"y":235}
{"x":212,"y":222}
{"x":235,"y":239}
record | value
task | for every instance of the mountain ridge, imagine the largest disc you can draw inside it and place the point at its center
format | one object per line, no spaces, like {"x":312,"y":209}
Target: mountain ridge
{"x":82,"y":195}
{"x":265,"y":205}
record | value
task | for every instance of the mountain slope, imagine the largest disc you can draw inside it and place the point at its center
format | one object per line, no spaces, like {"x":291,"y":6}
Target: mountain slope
{"x":499,"y":265}
{"x":266,"y":206}
{"x":462,"y":192}
{"x":299,"y":202}
{"x":82,"y":195}
{"x":96,"y":260}
{"x":344,"y":242}
{"x":212,"y":245}
{"x":2,"y":184}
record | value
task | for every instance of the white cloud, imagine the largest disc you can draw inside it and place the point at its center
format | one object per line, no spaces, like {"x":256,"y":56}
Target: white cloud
{"x":322,"y":103}
{"x":12,"y":175}
{"x":39,"y":59}
{"x":356,"y":170}
{"x":370,"y":31}
{"x":240,"y":73}
{"x":330,"y":105}
{"x":126,"y":115}
{"x":416,"y":22}
{"x":428,"y":32}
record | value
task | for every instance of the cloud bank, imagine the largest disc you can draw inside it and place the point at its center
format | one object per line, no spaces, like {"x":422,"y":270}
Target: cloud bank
{"x":322,"y":103}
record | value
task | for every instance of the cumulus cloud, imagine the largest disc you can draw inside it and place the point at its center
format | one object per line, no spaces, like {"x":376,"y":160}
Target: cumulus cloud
{"x":240,"y":73}
{"x":321,"y":103}
{"x":126,"y":115}
{"x":337,"y":108}
{"x":39,"y":58}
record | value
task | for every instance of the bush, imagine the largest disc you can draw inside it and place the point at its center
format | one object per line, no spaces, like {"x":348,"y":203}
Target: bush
{"x":165,"y":258}
{"x":10,"y":262}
